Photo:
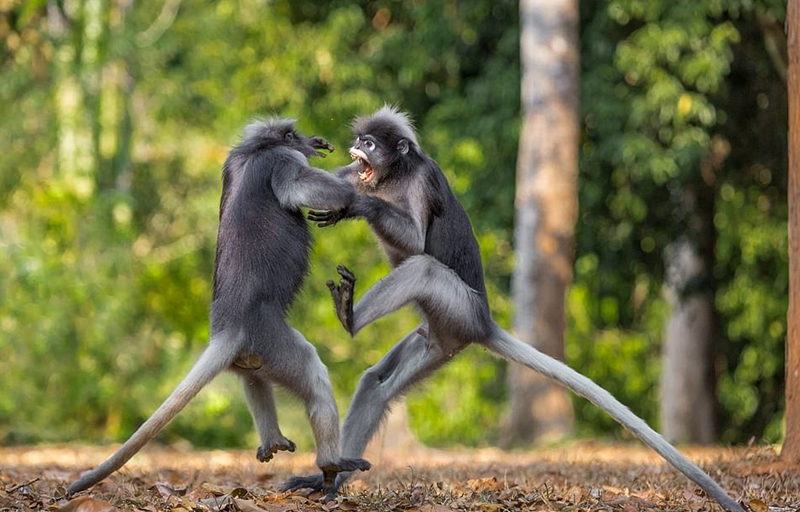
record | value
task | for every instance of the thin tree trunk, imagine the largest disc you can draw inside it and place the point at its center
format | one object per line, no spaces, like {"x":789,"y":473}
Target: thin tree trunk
{"x":791,"y":446}
{"x":688,"y":380}
{"x":394,"y":435}
{"x":546,"y":209}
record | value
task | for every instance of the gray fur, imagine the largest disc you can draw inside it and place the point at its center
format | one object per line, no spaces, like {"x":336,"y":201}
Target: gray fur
{"x":446,"y":283}
{"x":505,"y":345}
{"x":214,"y":359}
{"x":261,"y":261}
{"x":389,"y":115}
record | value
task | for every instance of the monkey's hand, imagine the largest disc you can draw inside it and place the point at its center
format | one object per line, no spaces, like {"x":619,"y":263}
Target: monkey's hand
{"x":326,"y":218}
{"x":343,"y":297}
{"x":320,"y":143}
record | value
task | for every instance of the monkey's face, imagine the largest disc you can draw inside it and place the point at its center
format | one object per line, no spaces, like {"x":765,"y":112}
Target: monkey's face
{"x":364,"y":152}
{"x":377,"y":157}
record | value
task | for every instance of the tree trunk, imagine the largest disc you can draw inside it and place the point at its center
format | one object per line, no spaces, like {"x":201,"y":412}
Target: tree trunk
{"x":394,"y":435}
{"x":791,"y":446}
{"x":687,"y":379}
{"x":546,"y":209}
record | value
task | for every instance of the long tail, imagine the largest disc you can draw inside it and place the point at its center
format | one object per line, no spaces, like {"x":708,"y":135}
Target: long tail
{"x":511,"y":348}
{"x":216,"y":358}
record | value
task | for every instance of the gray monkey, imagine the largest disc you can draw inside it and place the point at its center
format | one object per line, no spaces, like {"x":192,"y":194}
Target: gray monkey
{"x":262,"y":257}
{"x":428,"y":239}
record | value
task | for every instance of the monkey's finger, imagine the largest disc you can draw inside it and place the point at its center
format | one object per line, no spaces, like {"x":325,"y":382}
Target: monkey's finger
{"x":318,"y":215}
{"x":320,"y":143}
{"x":333,"y":288}
{"x":346,"y":273}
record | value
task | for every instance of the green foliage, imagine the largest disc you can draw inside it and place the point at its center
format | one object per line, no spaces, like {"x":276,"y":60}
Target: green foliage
{"x":673,"y":90}
{"x":117,"y":118}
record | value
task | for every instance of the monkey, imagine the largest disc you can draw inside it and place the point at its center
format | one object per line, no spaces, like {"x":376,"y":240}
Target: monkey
{"x":428,"y":239}
{"x":262,"y":253}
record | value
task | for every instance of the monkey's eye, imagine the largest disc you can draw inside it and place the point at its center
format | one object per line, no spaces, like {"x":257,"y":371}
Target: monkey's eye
{"x":289,"y":136}
{"x":369,"y":145}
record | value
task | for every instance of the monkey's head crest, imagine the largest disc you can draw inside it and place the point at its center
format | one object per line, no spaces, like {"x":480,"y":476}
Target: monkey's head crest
{"x":265,"y":134}
{"x":384,"y":142}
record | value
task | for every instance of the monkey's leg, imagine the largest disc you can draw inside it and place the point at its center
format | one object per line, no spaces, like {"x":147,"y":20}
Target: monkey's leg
{"x":411,"y":360}
{"x":216,"y":357}
{"x":508,"y":347}
{"x":444,"y":297}
{"x":302,"y":372}
{"x":258,"y":391}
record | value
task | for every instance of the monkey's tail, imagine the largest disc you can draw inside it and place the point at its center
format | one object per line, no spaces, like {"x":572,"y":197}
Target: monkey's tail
{"x":513,"y":349}
{"x":214,"y":359}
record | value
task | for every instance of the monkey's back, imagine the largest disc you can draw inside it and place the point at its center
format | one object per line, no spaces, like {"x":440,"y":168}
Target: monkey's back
{"x":450,"y":238}
{"x":262,"y":252}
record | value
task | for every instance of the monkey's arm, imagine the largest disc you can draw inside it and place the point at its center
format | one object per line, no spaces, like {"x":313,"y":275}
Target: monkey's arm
{"x":348,"y":173}
{"x":298,"y":185}
{"x":390,"y":223}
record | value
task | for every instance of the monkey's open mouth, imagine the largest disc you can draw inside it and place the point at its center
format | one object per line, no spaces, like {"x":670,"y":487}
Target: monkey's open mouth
{"x":366,"y":173}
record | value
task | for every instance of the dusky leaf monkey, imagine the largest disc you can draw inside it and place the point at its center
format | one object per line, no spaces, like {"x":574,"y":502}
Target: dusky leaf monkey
{"x":261,"y":260}
{"x":428,"y":239}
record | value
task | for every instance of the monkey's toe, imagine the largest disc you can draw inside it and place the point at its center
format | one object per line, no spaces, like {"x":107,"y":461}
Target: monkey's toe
{"x":342,"y":465}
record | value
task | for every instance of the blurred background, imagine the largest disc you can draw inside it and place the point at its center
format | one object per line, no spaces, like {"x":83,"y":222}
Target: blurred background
{"x":116,"y":117}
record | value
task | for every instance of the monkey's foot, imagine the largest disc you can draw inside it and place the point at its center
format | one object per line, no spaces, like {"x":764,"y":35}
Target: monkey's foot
{"x":313,"y":482}
{"x":265,"y":453}
{"x":330,"y":471}
{"x":343,"y":297}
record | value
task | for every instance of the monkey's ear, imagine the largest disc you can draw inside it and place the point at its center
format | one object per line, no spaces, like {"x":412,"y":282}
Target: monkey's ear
{"x":402,"y":146}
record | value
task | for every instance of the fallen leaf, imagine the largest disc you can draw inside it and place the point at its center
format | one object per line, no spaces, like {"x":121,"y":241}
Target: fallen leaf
{"x":246,"y":505}
{"x":87,"y":504}
{"x":316,"y":495}
{"x":278,"y":507}
{"x":200,"y":494}
{"x":213,"y":488}
{"x":490,"y":507}
{"x":434,"y":507}
{"x":348,"y":505}
{"x":485,"y":484}
{"x":217,"y":503}
{"x":6,"y":501}
{"x":240,"y":492}
{"x":167,"y":490}
{"x":575,"y":495}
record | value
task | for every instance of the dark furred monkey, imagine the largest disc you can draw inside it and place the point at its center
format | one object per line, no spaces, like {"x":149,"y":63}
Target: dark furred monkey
{"x":428,"y":239}
{"x":262,"y":258}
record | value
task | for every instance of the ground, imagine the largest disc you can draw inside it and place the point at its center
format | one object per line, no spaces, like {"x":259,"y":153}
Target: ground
{"x":578,"y":477}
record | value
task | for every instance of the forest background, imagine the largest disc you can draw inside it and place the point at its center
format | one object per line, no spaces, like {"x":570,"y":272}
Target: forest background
{"x":116,"y":116}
